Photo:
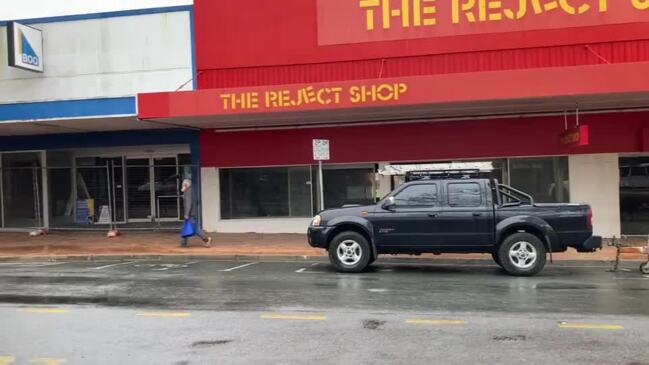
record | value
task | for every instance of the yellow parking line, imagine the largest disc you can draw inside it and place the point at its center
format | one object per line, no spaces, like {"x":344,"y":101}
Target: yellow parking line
{"x":47,"y":361}
{"x":436,"y":321}
{"x":164,"y":314}
{"x":6,"y":360}
{"x":591,"y":326}
{"x":42,"y":310}
{"x":294,"y":317}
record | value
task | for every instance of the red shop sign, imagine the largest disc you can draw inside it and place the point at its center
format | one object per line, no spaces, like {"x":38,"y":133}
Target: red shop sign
{"x":578,"y":136}
{"x":357,"y":21}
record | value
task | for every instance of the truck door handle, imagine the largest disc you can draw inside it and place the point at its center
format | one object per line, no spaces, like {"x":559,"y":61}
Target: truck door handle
{"x":477,"y":214}
{"x":432,"y":215}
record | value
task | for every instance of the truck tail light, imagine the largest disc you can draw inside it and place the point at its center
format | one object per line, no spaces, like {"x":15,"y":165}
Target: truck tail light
{"x":589,"y":218}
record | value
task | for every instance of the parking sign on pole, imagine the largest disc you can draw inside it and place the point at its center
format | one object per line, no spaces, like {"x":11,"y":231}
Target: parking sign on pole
{"x":321,"y":153}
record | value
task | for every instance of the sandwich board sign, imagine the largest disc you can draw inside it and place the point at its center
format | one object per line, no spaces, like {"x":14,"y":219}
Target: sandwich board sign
{"x":25,"y":47}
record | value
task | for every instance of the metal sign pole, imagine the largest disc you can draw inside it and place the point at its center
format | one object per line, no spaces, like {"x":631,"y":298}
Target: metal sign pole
{"x":320,"y":185}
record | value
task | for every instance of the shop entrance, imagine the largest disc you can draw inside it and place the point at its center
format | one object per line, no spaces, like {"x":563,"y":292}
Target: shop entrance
{"x":134,"y":189}
{"x":153,"y":188}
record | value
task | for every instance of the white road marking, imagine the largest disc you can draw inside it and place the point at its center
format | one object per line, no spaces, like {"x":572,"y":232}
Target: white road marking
{"x":378,"y":290}
{"x":112,"y":265}
{"x":303,"y":270}
{"x":53,"y":264}
{"x":237,"y":267}
{"x":165,"y":267}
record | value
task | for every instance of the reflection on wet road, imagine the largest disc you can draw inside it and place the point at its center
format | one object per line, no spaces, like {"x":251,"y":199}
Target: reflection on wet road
{"x":402,"y":311}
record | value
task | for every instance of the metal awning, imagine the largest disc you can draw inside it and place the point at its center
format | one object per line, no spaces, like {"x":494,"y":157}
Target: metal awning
{"x":76,"y":125}
{"x":594,"y":88}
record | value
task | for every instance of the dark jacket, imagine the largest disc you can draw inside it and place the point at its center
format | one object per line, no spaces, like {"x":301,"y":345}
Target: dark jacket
{"x":188,"y":202}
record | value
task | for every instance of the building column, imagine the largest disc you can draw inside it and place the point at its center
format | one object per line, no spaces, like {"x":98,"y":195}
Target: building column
{"x":45,"y":193}
{"x":210,"y":198}
{"x":595,"y":180}
{"x":383,"y":182}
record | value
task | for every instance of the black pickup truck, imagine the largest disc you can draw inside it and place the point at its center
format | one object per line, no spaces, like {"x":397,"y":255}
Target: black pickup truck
{"x":454,"y":212}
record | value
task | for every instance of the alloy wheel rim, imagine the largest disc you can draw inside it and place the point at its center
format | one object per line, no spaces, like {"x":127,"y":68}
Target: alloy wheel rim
{"x":523,"y":255}
{"x":349,"y":252}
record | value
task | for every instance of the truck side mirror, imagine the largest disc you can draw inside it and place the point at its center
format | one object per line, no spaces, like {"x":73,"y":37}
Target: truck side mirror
{"x":389,"y":204}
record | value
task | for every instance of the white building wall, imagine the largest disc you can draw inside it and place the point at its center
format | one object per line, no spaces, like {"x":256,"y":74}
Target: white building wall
{"x":595,"y":180}
{"x":210,"y":199}
{"x":110,"y":57}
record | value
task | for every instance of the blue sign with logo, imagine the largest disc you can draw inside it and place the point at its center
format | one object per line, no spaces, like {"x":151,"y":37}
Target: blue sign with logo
{"x":25,"y":47}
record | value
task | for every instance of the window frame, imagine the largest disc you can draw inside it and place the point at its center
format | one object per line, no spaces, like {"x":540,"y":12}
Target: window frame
{"x":449,"y":203}
{"x":438,"y":200}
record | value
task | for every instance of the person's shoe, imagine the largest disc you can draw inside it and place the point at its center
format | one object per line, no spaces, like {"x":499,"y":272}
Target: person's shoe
{"x":208,"y":243}
{"x":183,"y":246}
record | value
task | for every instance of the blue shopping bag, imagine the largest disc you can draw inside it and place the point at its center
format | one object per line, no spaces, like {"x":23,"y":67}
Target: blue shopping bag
{"x":189,"y":228}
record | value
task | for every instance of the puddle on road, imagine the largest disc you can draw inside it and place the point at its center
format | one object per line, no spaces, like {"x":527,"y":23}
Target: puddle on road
{"x":511,"y":338}
{"x":567,"y":286}
{"x":200,"y":344}
{"x":372,"y":324}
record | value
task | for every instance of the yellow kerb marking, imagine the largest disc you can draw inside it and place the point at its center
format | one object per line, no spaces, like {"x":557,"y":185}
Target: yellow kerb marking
{"x":47,"y":361}
{"x":294,"y":317}
{"x":436,"y":321}
{"x":43,"y":310}
{"x":591,"y":326}
{"x":164,"y":314}
{"x":6,"y":360}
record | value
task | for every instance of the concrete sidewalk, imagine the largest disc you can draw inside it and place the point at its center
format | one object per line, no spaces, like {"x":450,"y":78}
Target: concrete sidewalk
{"x":133,"y":244}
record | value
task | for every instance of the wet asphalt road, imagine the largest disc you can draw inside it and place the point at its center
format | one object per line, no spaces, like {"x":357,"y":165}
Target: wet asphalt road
{"x":204,"y":312}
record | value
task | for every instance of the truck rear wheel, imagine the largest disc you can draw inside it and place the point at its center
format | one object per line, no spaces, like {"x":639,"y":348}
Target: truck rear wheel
{"x":350,"y":252}
{"x":522,"y":254}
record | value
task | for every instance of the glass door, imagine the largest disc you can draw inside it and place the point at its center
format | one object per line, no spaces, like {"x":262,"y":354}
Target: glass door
{"x":138,"y":189}
{"x":167,"y":186}
{"x":152,"y":188}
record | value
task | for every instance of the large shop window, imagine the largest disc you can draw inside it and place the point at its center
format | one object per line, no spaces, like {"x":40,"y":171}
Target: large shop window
{"x":266,"y":192}
{"x":344,"y":186}
{"x":634,"y":195}
{"x":545,"y":178}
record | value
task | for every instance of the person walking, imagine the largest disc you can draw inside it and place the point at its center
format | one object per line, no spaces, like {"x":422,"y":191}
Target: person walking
{"x":188,"y":202}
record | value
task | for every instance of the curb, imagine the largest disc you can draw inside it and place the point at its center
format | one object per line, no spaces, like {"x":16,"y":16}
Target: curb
{"x":160,"y":257}
{"x":289,"y":258}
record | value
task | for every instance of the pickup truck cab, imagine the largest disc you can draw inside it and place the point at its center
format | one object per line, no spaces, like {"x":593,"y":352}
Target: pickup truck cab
{"x":454,"y":212}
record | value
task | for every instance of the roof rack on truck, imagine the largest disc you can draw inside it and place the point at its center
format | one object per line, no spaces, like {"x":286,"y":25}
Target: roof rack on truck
{"x":442,"y":174}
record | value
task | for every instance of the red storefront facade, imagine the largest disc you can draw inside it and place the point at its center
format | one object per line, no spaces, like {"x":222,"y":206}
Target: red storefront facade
{"x":393,"y":83}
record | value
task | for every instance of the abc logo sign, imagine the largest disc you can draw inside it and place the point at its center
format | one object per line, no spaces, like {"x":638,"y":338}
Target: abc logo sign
{"x":29,"y":59}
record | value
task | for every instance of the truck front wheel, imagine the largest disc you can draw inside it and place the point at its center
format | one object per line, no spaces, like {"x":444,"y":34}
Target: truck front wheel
{"x":496,"y":258}
{"x":522,"y":254}
{"x":350,"y":252}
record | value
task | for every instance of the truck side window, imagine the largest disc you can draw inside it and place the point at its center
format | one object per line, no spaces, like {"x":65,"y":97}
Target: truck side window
{"x":464,"y":195}
{"x":420,"y":195}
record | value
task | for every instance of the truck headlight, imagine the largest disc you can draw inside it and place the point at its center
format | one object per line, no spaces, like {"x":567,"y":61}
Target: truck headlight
{"x":316,"y":221}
